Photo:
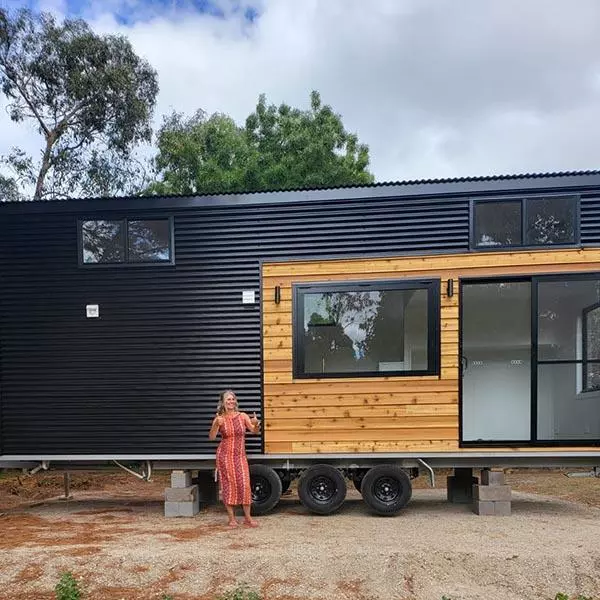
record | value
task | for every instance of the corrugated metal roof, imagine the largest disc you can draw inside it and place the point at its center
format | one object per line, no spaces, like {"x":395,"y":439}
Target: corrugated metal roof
{"x":381,"y":184}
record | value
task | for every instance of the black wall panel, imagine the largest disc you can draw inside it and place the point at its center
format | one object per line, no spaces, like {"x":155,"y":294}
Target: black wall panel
{"x":145,"y":376}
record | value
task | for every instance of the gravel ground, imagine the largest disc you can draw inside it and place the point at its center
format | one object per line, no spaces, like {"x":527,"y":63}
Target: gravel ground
{"x":122,"y":547}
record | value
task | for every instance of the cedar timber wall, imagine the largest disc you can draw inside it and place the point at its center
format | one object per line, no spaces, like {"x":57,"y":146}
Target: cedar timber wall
{"x":380,"y":414}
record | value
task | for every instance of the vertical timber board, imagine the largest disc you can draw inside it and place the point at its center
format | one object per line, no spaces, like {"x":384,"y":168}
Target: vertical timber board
{"x":380,"y":414}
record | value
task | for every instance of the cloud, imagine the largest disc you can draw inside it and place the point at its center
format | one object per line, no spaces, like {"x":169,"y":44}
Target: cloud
{"x":436,"y":88}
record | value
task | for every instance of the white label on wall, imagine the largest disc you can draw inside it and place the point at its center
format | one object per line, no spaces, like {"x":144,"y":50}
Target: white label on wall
{"x":92,"y":311}
{"x":248,"y":297}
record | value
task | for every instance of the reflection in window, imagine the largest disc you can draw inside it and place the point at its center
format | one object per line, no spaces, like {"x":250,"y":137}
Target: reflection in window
{"x":560,"y":308}
{"x":126,"y":241}
{"x":550,"y":221}
{"x":103,"y":241}
{"x":375,"y":331}
{"x":547,"y":221}
{"x":149,"y":240}
{"x":591,"y":348}
{"x":498,"y":224}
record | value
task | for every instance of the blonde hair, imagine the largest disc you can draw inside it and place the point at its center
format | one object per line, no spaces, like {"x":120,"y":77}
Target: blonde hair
{"x":221,"y":403}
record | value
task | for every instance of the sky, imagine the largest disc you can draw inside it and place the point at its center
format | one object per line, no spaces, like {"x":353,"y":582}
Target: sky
{"x":436,"y":88}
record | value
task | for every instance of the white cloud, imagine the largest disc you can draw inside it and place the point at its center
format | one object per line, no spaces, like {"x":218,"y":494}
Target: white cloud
{"x":436,"y":88}
{"x":56,"y":7}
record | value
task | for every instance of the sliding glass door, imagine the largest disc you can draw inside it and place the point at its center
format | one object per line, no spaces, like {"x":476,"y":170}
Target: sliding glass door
{"x":530,"y":360}
{"x":568,"y":359}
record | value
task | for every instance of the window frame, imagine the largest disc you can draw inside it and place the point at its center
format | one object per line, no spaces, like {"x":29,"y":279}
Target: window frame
{"x":126,"y":263}
{"x":433,"y":288}
{"x":524,"y":201}
{"x":535,"y":440}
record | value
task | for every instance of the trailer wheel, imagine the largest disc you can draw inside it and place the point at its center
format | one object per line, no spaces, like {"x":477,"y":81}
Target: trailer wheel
{"x":266,"y":488}
{"x":386,"y":489}
{"x":322,"y":489}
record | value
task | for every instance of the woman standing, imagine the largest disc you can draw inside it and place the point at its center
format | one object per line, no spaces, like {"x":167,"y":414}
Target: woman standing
{"x":232,"y":465}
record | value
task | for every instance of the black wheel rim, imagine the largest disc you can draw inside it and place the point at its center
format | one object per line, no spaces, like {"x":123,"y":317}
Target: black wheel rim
{"x":261,"y":489}
{"x":387,"y":489}
{"x":322,"y":489}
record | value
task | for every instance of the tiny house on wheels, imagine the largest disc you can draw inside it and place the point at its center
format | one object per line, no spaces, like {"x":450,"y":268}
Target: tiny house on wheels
{"x":379,"y":331}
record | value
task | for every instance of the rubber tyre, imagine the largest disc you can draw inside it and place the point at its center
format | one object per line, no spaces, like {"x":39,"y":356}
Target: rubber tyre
{"x":286,"y":480}
{"x":322,"y":489}
{"x":386,"y":489}
{"x":266,"y":488}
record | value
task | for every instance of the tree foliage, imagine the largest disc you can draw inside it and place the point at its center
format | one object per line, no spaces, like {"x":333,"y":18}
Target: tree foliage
{"x":200,"y":153}
{"x":9,"y":190}
{"x":90,"y":96}
{"x":277,"y":148}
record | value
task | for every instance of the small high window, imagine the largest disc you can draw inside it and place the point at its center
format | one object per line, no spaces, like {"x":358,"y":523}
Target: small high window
{"x":542,"y":221}
{"x":126,"y":241}
{"x":366,"y":329}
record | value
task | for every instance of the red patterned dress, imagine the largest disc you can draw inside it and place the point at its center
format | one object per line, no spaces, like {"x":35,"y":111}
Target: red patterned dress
{"x":232,"y":464}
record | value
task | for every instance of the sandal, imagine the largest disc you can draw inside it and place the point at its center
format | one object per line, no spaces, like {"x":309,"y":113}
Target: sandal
{"x":251,"y":523}
{"x":233,"y":524}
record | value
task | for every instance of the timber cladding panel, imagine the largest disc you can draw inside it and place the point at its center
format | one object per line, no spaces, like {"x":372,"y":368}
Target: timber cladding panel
{"x":379,"y":414}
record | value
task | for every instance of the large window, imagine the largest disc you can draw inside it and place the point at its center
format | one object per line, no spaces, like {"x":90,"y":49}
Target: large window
{"x":541,"y":221}
{"x":126,"y":241}
{"x":366,"y":329}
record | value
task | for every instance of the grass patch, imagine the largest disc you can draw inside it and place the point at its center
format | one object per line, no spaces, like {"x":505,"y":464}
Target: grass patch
{"x":67,"y":588}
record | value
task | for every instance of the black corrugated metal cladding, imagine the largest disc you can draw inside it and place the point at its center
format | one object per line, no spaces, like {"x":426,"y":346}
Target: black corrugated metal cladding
{"x":145,"y":376}
{"x":590,"y":221}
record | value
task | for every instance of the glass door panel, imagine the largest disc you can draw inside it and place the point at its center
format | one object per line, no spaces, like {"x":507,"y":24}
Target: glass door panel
{"x":496,"y":361}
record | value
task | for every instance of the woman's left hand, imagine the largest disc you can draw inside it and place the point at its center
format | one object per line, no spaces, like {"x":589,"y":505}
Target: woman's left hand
{"x":254,"y":421}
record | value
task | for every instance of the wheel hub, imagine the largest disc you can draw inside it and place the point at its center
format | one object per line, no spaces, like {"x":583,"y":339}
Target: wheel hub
{"x":386,"y":489}
{"x":261,"y":489}
{"x":322,"y":489}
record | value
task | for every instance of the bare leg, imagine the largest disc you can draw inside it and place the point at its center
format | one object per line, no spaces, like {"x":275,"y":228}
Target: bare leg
{"x":231,"y":516}
{"x":248,"y":520}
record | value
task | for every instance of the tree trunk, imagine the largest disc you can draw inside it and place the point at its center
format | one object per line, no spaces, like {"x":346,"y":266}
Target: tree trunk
{"x":45,"y":167}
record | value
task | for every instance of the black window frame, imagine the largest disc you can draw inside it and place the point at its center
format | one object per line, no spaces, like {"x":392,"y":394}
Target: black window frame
{"x":524,"y":201}
{"x":126,"y":263}
{"x":433,"y":287}
{"x":535,"y":441}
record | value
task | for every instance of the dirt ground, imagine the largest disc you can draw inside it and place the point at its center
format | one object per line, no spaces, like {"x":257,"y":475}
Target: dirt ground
{"x":113,"y":537}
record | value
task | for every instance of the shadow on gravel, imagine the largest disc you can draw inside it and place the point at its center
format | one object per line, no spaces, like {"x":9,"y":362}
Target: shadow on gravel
{"x":429,"y":502}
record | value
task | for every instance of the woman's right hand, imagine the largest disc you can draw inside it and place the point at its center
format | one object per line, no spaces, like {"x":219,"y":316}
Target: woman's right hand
{"x":219,"y":420}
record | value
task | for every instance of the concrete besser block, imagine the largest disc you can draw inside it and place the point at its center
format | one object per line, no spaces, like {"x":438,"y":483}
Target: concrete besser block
{"x":483,"y":508}
{"x":181,"y":479}
{"x":489,"y":508}
{"x":492,"y":477}
{"x":492,"y":493}
{"x":182,"y":509}
{"x":502,"y":509}
{"x":187,"y":494}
